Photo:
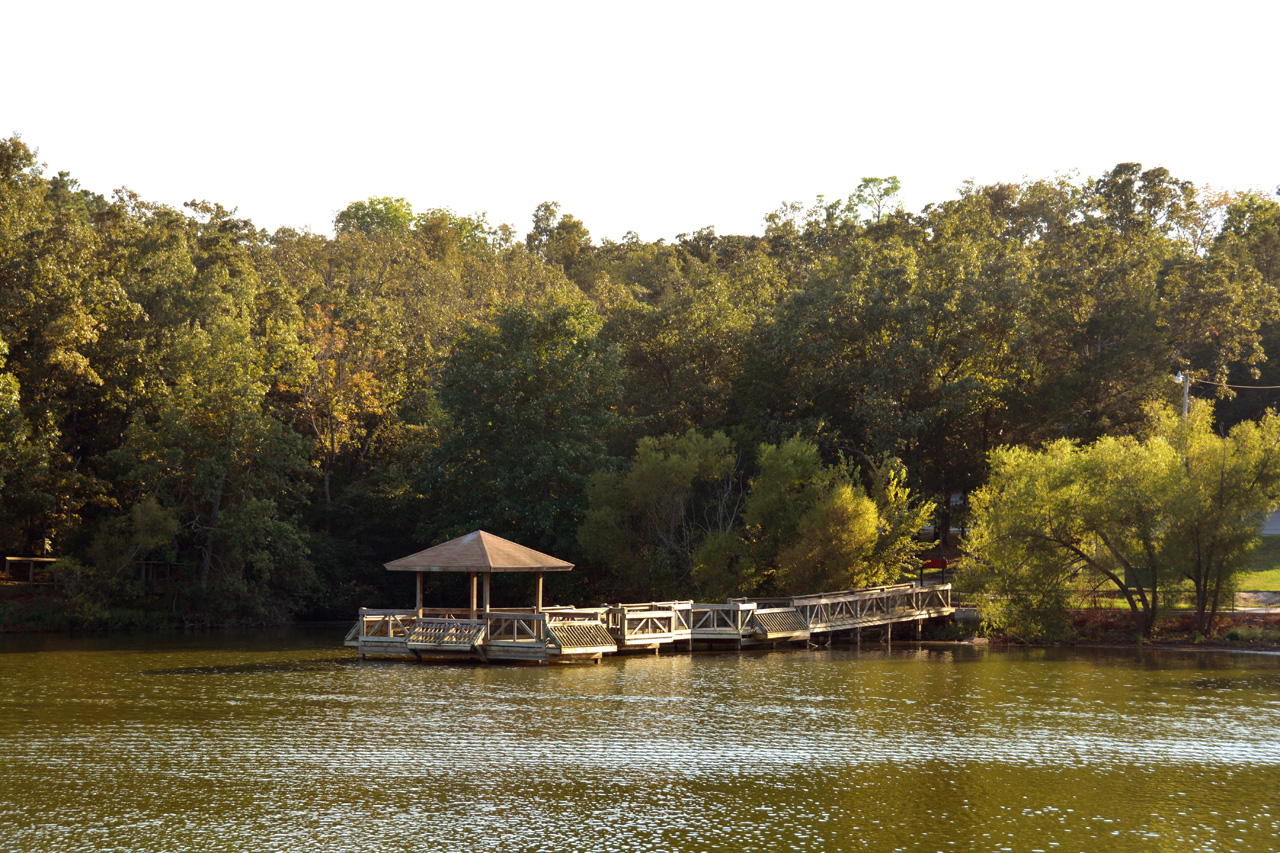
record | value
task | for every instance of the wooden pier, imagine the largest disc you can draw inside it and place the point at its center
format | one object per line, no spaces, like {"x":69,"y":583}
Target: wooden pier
{"x":543,"y":635}
{"x":568,"y":634}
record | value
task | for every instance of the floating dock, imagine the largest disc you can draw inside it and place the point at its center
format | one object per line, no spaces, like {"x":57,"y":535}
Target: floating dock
{"x":569,"y":634}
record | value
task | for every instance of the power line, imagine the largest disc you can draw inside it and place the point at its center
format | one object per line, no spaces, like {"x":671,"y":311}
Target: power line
{"x":1241,"y":387}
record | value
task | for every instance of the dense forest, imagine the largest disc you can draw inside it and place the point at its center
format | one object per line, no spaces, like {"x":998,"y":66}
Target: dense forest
{"x":208,"y":423}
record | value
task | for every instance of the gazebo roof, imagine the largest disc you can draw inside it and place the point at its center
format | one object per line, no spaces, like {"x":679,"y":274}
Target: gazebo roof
{"x":478,"y":552}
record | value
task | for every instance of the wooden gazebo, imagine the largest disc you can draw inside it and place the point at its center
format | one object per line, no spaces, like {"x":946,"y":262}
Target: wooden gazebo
{"x":480,"y":554}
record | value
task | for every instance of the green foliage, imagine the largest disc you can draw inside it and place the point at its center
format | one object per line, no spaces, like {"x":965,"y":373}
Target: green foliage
{"x":1225,"y":487}
{"x":38,"y":613}
{"x":53,"y":307}
{"x":1045,"y":516}
{"x":531,"y":397}
{"x":13,"y":427}
{"x":226,"y":471}
{"x":875,"y":197}
{"x":677,"y":521}
{"x":832,"y":545}
{"x":902,"y":515}
{"x":819,"y":529}
{"x":683,"y":354}
{"x":565,"y":243}
{"x":724,"y":567}
{"x":375,"y":215}
{"x":900,"y":345}
{"x":273,"y":416}
{"x":447,"y":233}
{"x":791,"y":481}
{"x":666,"y":526}
{"x":1250,"y":236}
{"x":1139,"y":515}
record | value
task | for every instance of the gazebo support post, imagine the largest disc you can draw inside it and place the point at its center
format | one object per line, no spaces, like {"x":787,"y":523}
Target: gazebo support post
{"x":537,"y":595}
{"x":486,"y":593}
{"x":473,"y":594}
{"x":419,"y":598}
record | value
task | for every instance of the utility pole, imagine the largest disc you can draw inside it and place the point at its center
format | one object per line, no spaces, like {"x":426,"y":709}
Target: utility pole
{"x":1185,"y":379}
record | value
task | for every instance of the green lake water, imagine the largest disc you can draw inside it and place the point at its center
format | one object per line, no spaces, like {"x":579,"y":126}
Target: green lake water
{"x":283,"y":741}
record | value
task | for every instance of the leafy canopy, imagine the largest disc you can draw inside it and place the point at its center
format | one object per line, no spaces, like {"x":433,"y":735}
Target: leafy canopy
{"x":1182,"y":504}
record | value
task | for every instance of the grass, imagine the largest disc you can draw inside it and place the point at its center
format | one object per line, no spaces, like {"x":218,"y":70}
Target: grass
{"x":1263,"y":574}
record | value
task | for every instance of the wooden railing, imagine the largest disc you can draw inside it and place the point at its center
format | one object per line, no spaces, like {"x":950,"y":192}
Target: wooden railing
{"x":834,"y":611}
{"x":934,"y":597}
{"x":650,"y":622}
{"x":574,"y":614}
{"x":387,"y":625}
{"x":721,"y":621}
{"x":515,"y":627}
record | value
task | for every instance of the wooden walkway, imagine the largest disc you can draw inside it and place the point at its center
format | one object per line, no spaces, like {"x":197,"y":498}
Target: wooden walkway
{"x":566,"y":634}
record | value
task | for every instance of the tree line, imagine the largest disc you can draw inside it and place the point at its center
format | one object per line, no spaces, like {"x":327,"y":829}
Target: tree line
{"x":270,"y":416}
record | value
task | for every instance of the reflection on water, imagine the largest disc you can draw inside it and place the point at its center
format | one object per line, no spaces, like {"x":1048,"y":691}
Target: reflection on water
{"x":282,"y":741}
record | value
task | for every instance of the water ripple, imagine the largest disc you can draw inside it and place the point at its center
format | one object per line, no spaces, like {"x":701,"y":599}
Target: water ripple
{"x":289,"y":745}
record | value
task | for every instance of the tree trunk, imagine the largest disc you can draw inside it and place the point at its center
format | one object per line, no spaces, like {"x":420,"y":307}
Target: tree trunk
{"x":1202,"y":598}
{"x":206,"y":557}
{"x":328,"y":503}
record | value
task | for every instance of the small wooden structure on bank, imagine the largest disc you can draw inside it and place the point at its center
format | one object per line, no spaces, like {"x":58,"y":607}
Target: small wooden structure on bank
{"x":563,"y":634}
{"x":30,"y":570}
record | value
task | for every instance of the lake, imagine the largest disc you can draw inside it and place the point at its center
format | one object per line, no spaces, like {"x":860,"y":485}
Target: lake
{"x":281,"y":740}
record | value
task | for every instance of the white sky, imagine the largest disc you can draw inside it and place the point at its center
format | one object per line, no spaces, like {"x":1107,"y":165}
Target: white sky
{"x":656,"y":117}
